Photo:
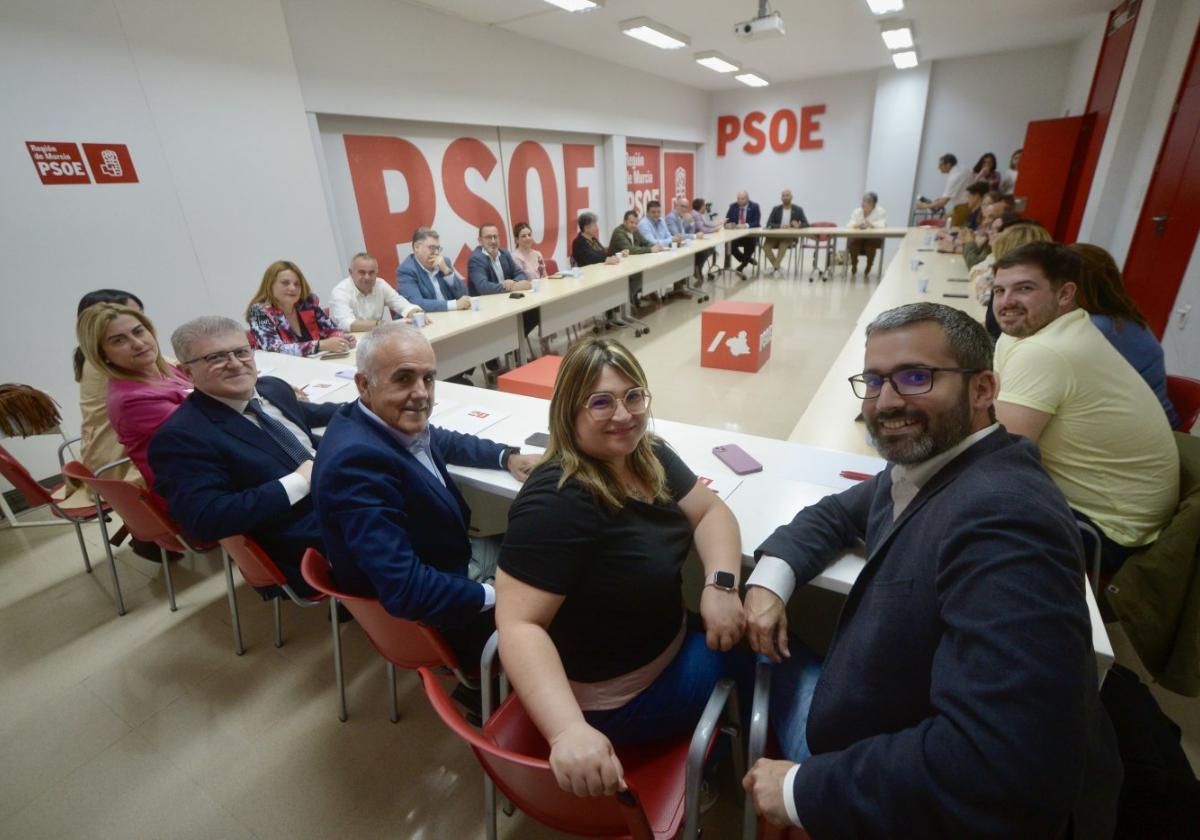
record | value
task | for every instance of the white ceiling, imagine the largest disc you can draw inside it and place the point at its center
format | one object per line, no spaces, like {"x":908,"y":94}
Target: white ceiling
{"x":824,"y":37}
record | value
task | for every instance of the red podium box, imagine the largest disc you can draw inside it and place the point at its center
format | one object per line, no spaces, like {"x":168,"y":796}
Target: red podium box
{"x":535,"y":379}
{"x":736,"y":335}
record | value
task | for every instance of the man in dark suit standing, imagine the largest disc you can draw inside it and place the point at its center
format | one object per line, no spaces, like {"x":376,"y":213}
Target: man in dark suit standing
{"x":236,"y":457}
{"x":742,"y":214}
{"x":427,"y":279}
{"x":959,"y":696}
{"x":490,"y":269}
{"x":394,"y":524}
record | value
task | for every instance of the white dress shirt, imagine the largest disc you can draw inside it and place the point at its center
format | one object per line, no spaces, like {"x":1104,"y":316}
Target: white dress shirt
{"x":347,"y":304}
{"x":877,"y":219}
{"x":295,"y":485}
{"x":957,"y":181}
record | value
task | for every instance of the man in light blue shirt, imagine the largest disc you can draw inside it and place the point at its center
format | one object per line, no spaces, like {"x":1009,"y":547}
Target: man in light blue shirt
{"x":654,"y":228}
{"x":680,"y":221}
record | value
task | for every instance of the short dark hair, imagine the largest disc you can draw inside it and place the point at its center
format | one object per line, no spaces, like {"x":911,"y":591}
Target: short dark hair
{"x":650,"y":205}
{"x":629,"y":213}
{"x":979,"y":188}
{"x":586,"y":218}
{"x":1057,"y":262}
{"x":487,"y":225}
{"x":697,"y":203}
{"x":969,"y":342}
{"x":948,"y":158}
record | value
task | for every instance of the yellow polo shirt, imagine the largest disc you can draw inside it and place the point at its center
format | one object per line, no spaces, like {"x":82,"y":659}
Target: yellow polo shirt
{"x":1108,"y":445}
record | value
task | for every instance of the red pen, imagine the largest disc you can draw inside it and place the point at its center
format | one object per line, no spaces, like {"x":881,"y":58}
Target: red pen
{"x":855,"y":476}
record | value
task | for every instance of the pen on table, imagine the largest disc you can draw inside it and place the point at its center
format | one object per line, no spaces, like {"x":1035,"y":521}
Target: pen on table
{"x":855,"y":476}
{"x":955,"y":295}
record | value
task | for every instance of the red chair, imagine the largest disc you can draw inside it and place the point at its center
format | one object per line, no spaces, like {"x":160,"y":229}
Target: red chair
{"x":1184,"y":393}
{"x":932,"y":223}
{"x":817,"y":244}
{"x":663,"y":778}
{"x":402,"y":643}
{"x":35,"y":496}
{"x":259,"y":570}
{"x":142,"y":517}
{"x":551,"y":266}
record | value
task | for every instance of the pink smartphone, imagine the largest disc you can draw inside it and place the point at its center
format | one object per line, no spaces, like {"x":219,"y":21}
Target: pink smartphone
{"x":734,"y":457}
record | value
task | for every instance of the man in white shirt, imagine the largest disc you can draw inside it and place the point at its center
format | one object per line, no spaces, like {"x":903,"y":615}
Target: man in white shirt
{"x":866,"y":216}
{"x":958,"y":697}
{"x":954,"y":195}
{"x":363,"y":300}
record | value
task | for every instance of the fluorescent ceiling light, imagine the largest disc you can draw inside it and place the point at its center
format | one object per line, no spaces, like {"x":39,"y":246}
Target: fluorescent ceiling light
{"x":905,"y":60}
{"x":898,"y":35}
{"x":715,"y":61}
{"x":654,"y":33}
{"x":752,"y":78}
{"x":883,"y":7}
{"x":576,"y":5}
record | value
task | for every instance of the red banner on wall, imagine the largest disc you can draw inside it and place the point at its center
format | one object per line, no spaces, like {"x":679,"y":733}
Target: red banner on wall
{"x":110,"y":163}
{"x":642,"y":176}
{"x":679,"y":175}
{"x":58,"y":163}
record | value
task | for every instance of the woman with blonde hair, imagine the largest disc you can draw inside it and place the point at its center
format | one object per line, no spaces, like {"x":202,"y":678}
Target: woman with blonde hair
{"x":593,"y":630}
{"x":143,"y":388}
{"x":286,"y":317}
{"x":1100,"y":292}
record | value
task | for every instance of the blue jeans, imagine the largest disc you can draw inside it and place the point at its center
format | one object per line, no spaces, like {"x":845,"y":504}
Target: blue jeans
{"x":792,"y":684}
{"x":671,"y":705}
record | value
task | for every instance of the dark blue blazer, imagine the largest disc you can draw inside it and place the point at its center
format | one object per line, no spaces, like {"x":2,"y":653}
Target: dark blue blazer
{"x":391,"y":528}
{"x":481,"y":277}
{"x":219,"y":474}
{"x":412,"y":281}
{"x":753,"y":215}
{"x":959,"y":695}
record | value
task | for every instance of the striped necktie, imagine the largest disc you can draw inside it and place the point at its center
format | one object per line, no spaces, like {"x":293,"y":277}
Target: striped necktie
{"x":278,"y":433}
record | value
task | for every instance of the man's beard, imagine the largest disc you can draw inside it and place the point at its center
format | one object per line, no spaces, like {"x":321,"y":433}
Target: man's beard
{"x":936,"y":437}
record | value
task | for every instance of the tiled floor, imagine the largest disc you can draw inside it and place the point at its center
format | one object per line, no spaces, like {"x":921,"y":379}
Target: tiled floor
{"x":148,"y":726}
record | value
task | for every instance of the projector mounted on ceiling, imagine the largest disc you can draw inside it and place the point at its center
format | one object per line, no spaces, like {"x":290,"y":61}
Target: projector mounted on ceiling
{"x":766,"y":24}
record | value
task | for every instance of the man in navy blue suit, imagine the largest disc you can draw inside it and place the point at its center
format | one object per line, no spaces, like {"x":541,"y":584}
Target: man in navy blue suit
{"x":490,"y":269}
{"x":427,"y":279}
{"x":959,"y":695}
{"x":742,"y":214}
{"x":236,"y":456}
{"x":394,"y":524}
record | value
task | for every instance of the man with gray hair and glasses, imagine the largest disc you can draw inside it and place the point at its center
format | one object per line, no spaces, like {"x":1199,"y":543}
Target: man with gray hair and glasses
{"x":236,"y":457}
{"x":427,"y":279}
{"x":958,"y":697}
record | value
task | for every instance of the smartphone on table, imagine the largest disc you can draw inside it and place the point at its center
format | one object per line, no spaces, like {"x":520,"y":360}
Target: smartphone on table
{"x":737,"y":459}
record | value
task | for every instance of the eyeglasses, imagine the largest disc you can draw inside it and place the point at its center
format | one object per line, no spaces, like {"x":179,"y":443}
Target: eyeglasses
{"x":602,"y":406}
{"x":433,"y":249}
{"x":242,"y":354}
{"x":908,"y":382}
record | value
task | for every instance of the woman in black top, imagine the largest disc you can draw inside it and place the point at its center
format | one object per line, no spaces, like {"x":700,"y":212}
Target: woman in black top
{"x":589,"y":605}
{"x":587,"y":249}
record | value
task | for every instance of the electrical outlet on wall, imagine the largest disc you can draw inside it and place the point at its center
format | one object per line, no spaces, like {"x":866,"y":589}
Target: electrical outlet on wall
{"x":1183,"y":313}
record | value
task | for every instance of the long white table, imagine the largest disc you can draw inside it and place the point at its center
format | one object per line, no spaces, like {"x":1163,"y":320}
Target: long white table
{"x":794,"y":475}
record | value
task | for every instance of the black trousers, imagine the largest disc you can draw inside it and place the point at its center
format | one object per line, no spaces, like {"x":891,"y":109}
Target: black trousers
{"x":743,"y":249}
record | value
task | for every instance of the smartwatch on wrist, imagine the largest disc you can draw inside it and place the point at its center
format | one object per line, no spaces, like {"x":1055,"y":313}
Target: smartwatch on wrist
{"x":508,"y":453}
{"x":722,"y":580}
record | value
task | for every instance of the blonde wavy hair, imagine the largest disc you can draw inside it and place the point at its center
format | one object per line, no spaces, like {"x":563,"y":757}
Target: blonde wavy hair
{"x":92,"y":328}
{"x":577,"y":377}
{"x":265,"y":293}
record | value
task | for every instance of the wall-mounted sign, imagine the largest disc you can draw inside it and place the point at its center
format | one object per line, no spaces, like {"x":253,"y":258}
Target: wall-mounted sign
{"x":643,"y":176}
{"x":788,"y":129}
{"x":62,"y":163}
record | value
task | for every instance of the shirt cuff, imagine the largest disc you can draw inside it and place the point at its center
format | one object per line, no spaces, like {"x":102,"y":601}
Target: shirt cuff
{"x":296,"y":486}
{"x":489,"y":597}
{"x":775,"y":575}
{"x":789,"y":801}
{"x":410,"y":309}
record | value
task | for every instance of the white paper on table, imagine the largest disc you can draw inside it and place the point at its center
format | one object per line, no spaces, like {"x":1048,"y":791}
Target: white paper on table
{"x":723,"y":486}
{"x":318,"y":390}
{"x":769,"y":504}
{"x":441,"y":407}
{"x":345,"y":373}
{"x":469,"y":419}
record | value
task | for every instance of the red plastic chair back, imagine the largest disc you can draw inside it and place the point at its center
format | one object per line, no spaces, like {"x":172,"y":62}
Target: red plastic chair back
{"x":405,"y":644}
{"x":256,"y":566}
{"x":1184,"y":393}
{"x":35,"y":495}
{"x":132,"y":503}
{"x":932,"y":223}
{"x":822,"y":240}
{"x":513,"y":753}
{"x":552,"y":266}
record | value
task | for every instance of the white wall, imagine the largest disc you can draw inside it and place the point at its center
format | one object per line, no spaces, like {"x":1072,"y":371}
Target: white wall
{"x":206,"y":98}
{"x":984,"y":104}
{"x":900,"y":95}
{"x":1083,"y":67}
{"x":380,"y":58}
{"x":826,"y":182}
{"x":1181,"y":339}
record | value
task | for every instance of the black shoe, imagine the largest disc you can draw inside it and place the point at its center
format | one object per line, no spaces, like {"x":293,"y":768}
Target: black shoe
{"x":461,"y":379}
{"x":471,"y":702}
{"x":150,"y":551}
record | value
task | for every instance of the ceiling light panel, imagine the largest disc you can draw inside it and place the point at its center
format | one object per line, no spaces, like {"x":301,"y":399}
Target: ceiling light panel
{"x":905,"y":60}
{"x":752,"y":78}
{"x":898,"y":37}
{"x":576,"y":5}
{"x":715,"y":61}
{"x":885,"y":7}
{"x":654,"y":33}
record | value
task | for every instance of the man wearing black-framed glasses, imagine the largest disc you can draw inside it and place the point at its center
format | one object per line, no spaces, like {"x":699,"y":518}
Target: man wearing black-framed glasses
{"x":962,"y":661}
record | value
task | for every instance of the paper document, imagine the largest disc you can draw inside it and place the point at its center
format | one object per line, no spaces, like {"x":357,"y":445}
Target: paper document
{"x":723,"y":486}
{"x":441,"y":407}
{"x":318,"y":390}
{"x":469,"y":419}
